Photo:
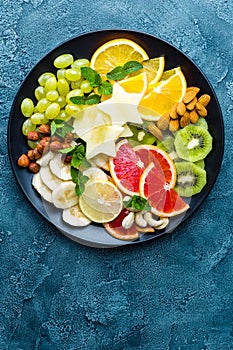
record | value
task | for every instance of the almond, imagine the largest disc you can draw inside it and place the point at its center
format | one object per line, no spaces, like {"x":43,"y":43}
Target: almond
{"x":190,"y":94}
{"x":174,"y":125}
{"x":154,"y":130}
{"x":173,"y":112}
{"x":181,"y":108}
{"x":201,"y":110}
{"x":204,"y":100}
{"x":191,"y":105}
{"x":163,"y":122}
{"x":193,"y":116}
{"x":185,"y":120}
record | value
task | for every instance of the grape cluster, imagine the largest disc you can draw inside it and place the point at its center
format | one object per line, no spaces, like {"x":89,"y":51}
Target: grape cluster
{"x":54,"y":92}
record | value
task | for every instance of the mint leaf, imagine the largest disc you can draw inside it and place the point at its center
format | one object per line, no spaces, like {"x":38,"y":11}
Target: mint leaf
{"x":116,"y":74}
{"x":105,"y":88}
{"x":131,"y":67}
{"x":63,"y":129}
{"x":78,"y":100}
{"x":53,"y":128}
{"x":92,"y":99}
{"x":78,"y":156}
{"x":92,"y":76}
{"x":67,"y":150}
{"x":138,"y":203}
{"x":79,"y":179}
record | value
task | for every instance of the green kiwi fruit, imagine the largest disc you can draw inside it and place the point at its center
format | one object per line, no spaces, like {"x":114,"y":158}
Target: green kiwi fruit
{"x":190,"y":179}
{"x":140,"y":136}
{"x":193,"y":143}
{"x":200,"y":163}
{"x":167,"y":145}
{"x":202,"y":122}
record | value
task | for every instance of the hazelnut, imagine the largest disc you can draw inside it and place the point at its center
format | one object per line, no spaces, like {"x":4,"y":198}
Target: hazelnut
{"x":44,"y":129}
{"x":30,"y":154}
{"x":69,"y":137}
{"x":34,"y":167}
{"x":66,"y":145}
{"x":67,"y":159}
{"x":23,"y":161}
{"x":56,"y":138}
{"x":36,"y":154}
{"x":55,"y":146}
{"x":33,"y":136}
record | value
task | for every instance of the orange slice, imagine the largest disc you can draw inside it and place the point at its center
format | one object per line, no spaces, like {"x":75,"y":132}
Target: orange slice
{"x":116,"y":53}
{"x":154,"y":68}
{"x":135,"y":84}
{"x":160,"y":97}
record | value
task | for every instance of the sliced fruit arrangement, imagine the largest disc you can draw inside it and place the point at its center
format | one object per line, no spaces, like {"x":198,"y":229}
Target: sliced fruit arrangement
{"x":117,"y":140}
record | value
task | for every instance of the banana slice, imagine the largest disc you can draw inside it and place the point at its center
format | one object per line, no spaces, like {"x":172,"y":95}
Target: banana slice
{"x":41,"y":188}
{"x":49,"y":179}
{"x":64,"y":196}
{"x":45,"y":159}
{"x":74,"y":217}
{"x":58,"y":168}
{"x":100,"y":160}
{"x":95,"y":174}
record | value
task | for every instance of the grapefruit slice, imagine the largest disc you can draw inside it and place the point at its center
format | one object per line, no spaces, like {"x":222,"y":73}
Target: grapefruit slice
{"x":165,"y":165}
{"x":128,"y":165}
{"x":164,"y":200}
{"x":126,"y":168}
{"x":115,"y":229}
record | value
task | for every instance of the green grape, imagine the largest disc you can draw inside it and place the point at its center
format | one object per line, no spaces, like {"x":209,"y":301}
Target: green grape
{"x":73,"y":74}
{"x":61,"y":74}
{"x":63,"y":87}
{"x":73,"y":110}
{"x":39,"y":118}
{"x":63,"y":61}
{"x":50,"y":84}
{"x":28,"y":126}
{"x":52,"y":95}
{"x":27,"y":107}
{"x":63,"y":115}
{"x":61,"y":101}
{"x":42,"y":105}
{"x":86,"y":87}
{"x":52,"y":111}
{"x":72,"y":93}
{"x":44,"y":77}
{"x":76,"y":84}
{"x":82,"y":62}
{"x":39,"y":93}
{"x":32,"y":144}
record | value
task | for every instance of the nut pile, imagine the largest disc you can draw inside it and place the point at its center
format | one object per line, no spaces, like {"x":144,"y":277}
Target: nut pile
{"x":45,"y":143}
{"x":182,"y":113}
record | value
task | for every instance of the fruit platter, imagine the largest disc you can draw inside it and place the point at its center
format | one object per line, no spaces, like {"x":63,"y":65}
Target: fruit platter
{"x":116,"y":138}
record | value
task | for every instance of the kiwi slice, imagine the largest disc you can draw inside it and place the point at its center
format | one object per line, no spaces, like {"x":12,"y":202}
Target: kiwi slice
{"x":193,"y":143}
{"x":140,"y":136}
{"x":202,"y":122}
{"x":167,"y":145}
{"x":190,"y":179}
{"x":200,"y":163}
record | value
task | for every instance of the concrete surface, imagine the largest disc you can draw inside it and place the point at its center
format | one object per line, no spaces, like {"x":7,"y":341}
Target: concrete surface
{"x":170,"y":294}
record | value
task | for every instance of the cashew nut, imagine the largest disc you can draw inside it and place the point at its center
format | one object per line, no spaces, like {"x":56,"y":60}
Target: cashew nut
{"x":165,"y":223}
{"x":128,"y":221}
{"x":152,"y":222}
{"x":139,"y":220}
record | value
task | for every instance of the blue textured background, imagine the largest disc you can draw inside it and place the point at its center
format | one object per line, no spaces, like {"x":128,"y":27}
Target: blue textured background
{"x":173,"y":293}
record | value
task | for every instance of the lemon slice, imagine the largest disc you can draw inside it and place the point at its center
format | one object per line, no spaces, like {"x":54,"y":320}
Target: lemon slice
{"x":116,"y":53}
{"x":160,"y":97}
{"x":101,"y":201}
{"x":154,"y":68}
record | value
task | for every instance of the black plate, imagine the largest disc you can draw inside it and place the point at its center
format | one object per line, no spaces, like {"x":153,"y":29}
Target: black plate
{"x":83,"y":46}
